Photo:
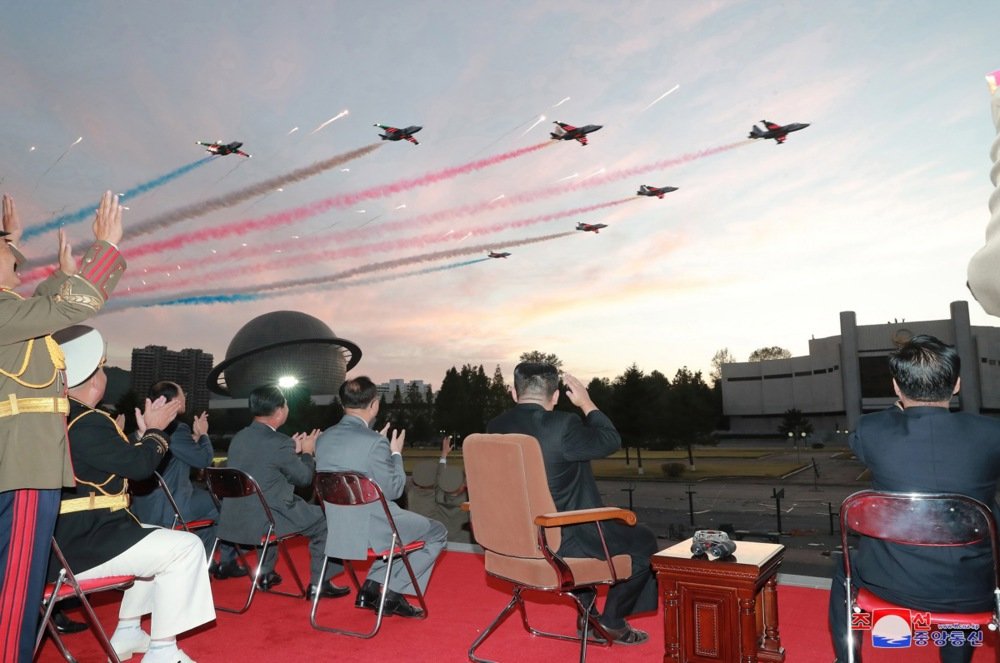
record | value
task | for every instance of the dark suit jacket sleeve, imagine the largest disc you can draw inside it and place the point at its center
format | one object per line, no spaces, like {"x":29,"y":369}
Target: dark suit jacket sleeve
{"x":297,"y":468}
{"x":591,"y":439}
{"x":196,"y":453}
{"x":856,"y":444}
{"x":108,"y":451}
{"x":387,"y":469}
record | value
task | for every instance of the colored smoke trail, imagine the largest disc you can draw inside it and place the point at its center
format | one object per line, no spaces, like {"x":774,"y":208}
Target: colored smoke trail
{"x":118,"y":303}
{"x":231,"y":299}
{"x":228,"y":200}
{"x":341,"y":252}
{"x":88,"y":212}
{"x":515,"y":199}
{"x":297,"y":214}
{"x":198,"y":209}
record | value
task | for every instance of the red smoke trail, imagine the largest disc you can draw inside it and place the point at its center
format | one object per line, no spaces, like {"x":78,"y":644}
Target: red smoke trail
{"x":318,"y":207}
{"x":168,"y":219}
{"x":312,"y":242}
{"x":318,"y":257}
{"x":119,"y":304}
{"x":307,"y":211}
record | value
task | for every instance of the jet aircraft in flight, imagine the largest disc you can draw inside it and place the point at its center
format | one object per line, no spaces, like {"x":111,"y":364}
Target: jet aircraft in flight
{"x":392,"y":133}
{"x":658,"y":191}
{"x":591,"y":227}
{"x":222,"y":149}
{"x":776,"y":131}
{"x":495,"y":254}
{"x":569,"y":132}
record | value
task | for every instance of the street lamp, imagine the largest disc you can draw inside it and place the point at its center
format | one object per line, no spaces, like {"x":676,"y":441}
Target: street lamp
{"x":795,"y":440}
{"x":287,"y":381}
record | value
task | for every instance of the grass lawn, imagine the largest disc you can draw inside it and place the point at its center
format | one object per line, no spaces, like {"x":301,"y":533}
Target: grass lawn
{"x":709,"y":463}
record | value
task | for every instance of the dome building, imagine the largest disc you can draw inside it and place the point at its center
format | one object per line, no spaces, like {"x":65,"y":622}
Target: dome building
{"x":284,"y":344}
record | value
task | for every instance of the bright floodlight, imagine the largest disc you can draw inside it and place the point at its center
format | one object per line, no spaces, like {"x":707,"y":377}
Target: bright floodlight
{"x":287,"y":381}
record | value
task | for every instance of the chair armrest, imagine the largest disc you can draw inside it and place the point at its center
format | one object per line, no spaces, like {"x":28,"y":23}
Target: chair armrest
{"x":563,"y":518}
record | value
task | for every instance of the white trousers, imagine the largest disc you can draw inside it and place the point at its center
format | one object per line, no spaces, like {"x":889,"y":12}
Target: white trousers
{"x":172,"y":581}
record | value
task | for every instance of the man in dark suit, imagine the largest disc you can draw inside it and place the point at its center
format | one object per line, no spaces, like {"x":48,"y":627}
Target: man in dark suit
{"x":568,"y":445}
{"x":278,"y":463}
{"x":351,"y":446}
{"x":919,"y":445}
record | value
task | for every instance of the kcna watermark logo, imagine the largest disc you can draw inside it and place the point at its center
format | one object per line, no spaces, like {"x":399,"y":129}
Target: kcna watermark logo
{"x":894,"y":628}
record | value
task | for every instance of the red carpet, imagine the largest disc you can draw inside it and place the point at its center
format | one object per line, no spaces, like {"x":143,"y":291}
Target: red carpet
{"x":276,"y":628}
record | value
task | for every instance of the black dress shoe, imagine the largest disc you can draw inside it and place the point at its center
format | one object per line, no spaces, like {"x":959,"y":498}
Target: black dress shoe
{"x":396,"y":604}
{"x":268,"y":580}
{"x":221,"y":571}
{"x":626,"y":635}
{"x":368,"y":596}
{"x":64,"y":625}
{"x":327,"y":591}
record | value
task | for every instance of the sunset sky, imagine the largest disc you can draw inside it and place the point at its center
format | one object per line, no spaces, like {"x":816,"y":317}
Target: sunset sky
{"x":875,"y":208}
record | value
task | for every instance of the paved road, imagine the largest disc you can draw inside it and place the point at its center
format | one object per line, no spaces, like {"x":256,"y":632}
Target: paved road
{"x":749,"y":505}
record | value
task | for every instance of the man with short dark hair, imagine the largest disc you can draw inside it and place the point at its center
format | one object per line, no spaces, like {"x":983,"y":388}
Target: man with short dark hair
{"x":919,"y":445}
{"x":352,"y":446}
{"x":568,"y":445}
{"x":278,"y":463}
{"x":95,"y":530}
{"x":190,"y":448}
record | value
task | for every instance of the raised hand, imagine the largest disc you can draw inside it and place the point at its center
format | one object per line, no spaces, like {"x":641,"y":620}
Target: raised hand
{"x":11,"y":221}
{"x":67,"y":264}
{"x":108,"y":220}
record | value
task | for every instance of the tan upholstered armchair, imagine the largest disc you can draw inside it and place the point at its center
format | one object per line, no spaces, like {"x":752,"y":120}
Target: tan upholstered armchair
{"x":515,"y":520}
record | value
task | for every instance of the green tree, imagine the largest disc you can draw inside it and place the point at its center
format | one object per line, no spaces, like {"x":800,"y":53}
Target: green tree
{"x":770,"y":352}
{"x":691,"y":409}
{"x":498,"y":398}
{"x":723,"y":356}
{"x":796,"y":423}
{"x":630,"y":406}
{"x":541,"y":358}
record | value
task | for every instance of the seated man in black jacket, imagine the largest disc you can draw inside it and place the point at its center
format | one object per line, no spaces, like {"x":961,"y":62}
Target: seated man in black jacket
{"x":97,"y":533}
{"x":568,"y":445}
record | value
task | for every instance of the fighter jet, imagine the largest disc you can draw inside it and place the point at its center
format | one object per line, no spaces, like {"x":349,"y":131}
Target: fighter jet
{"x":222,"y":149}
{"x":591,"y":227}
{"x":494,"y":254}
{"x":658,"y":191}
{"x":569,"y":132}
{"x":392,"y":133}
{"x":776,"y":131}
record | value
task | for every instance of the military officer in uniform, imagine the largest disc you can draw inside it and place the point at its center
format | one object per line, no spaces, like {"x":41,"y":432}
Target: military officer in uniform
{"x":34,"y":456}
{"x":97,"y":533}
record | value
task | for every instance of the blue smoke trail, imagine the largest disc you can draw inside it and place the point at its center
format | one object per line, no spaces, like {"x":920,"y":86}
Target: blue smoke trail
{"x":235,"y":298}
{"x":87,"y":212}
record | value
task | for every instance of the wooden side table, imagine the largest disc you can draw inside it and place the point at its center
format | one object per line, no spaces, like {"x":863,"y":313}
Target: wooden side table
{"x":722,"y":610}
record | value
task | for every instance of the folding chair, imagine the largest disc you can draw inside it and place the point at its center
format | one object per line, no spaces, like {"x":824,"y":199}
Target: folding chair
{"x":226,"y":482}
{"x":515,"y":520}
{"x":355,"y":489}
{"x":179,"y":522}
{"x":918,"y":519}
{"x":67,"y":586}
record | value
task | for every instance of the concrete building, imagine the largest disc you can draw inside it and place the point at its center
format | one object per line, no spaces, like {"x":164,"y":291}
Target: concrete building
{"x":846,"y":376}
{"x":388,"y":389}
{"x":189,"y":368}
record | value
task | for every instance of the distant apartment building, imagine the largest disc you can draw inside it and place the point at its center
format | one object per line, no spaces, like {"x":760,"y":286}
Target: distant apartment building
{"x":189,"y":368}
{"x":388,"y":389}
{"x":846,"y":376}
